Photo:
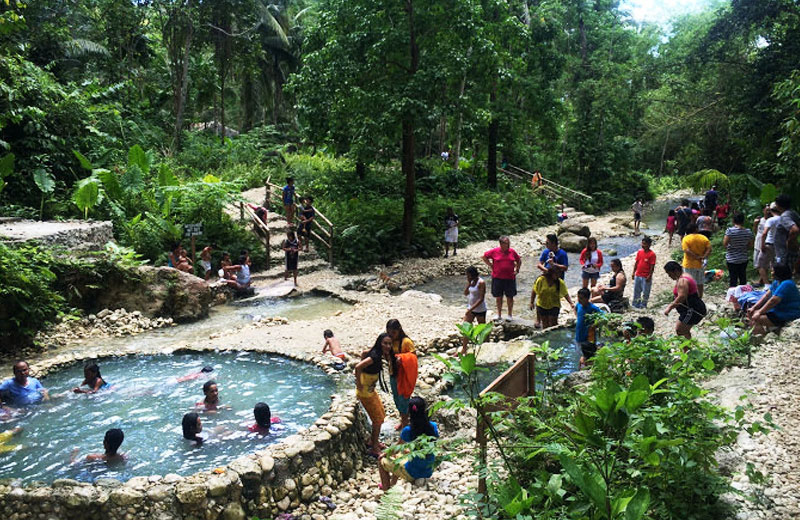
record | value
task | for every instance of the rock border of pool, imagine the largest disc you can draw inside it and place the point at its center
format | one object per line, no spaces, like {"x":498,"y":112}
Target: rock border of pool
{"x":265,"y":483}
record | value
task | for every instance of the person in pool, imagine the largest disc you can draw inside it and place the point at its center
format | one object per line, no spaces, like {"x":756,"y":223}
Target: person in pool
{"x":191,"y":426}
{"x":264,"y":419}
{"x":92,"y":379}
{"x":211,"y":402}
{"x":196,"y":375}
{"x":111,"y":443}
{"x":22,"y":390}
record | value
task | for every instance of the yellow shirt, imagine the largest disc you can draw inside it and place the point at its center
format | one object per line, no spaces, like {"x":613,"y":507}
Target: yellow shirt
{"x":696,"y":243}
{"x":407,"y":346}
{"x":549,"y":296}
{"x":368,"y":382}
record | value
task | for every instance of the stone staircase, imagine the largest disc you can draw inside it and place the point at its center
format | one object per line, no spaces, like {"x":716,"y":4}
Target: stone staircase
{"x":308,"y":261}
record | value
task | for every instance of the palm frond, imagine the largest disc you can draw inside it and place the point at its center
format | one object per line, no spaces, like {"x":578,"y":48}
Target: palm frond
{"x":81,"y":47}
{"x":273,"y":25}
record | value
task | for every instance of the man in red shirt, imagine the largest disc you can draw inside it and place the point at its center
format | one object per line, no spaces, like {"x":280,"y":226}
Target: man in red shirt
{"x":643,"y":274}
{"x":505,"y":264}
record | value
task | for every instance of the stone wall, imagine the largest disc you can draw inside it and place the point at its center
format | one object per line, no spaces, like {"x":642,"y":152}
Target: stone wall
{"x":299,"y":469}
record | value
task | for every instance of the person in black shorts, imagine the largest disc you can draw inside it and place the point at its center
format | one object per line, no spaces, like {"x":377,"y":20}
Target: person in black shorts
{"x":291,"y":247}
{"x":307,"y":215}
{"x":691,"y":309}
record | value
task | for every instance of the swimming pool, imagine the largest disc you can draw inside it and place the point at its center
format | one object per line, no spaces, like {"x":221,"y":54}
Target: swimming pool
{"x":147,"y":403}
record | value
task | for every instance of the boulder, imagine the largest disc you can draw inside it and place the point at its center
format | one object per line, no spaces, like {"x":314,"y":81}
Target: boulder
{"x":574,"y":228}
{"x":572,"y":243}
{"x":159,"y":292}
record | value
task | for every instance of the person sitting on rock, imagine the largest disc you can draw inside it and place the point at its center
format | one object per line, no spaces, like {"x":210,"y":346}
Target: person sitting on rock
{"x":242,"y":272}
{"x":405,"y":466}
{"x":184,"y":263}
{"x":612,"y":293}
{"x":778,"y":306}
{"x":332,"y":345}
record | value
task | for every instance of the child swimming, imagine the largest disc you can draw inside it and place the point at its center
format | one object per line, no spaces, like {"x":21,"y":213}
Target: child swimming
{"x":211,"y":401}
{"x":264,"y":419}
{"x":92,"y":379}
{"x":191,"y":426}
{"x":196,"y":375}
{"x":111,"y":443}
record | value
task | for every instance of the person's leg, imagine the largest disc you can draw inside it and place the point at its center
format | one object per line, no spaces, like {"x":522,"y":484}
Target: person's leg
{"x":585,"y":281}
{"x":593,"y":281}
{"x":384,"y":474}
{"x":468,"y":317}
{"x":637,"y":290}
{"x":732,"y":275}
{"x":700,"y":287}
{"x":294,"y":273}
{"x":743,"y":273}
{"x":498,"y":302}
{"x":681,"y":329}
{"x":446,"y":249}
{"x":510,"y":304}
{"x":648,"y":284}
{"x":455,"y":248}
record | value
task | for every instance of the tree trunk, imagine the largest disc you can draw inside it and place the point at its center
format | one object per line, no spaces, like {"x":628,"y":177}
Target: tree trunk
{"x":183,"y":88}
{"x":491,"y":160}
{"x":663,"y":152}
{"x":361,"y":170}
{"x":278,"y":91}
{"x":410,"y":199}
{"x":222,"y":106}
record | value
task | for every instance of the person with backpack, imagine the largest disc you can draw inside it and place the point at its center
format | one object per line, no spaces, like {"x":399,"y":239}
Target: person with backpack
{"x":400,"y":362}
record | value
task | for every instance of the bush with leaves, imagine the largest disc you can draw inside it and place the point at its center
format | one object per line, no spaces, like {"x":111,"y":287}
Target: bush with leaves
{"x":637,"y":441}
{"x":27,"y":298}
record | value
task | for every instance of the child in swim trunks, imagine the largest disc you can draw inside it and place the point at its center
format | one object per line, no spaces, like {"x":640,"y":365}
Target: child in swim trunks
{"x":332,"y":345}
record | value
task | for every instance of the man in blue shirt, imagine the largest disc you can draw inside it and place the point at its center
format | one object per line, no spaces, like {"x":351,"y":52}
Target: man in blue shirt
{"x":288,"y":200}
{"x":553,"y":256}
{"x":22,"y":390}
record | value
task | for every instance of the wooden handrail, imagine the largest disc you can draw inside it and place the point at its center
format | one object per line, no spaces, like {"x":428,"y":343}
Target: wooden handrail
{"x":546,"y":181}
{"x":274,"y":194}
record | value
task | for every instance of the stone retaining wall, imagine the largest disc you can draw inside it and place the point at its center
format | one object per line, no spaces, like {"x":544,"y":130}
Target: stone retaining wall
{"x":72,"y":234}
{"x":300,"y":468}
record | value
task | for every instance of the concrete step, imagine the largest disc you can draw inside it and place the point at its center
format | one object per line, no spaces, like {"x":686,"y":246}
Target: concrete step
{"x":305,"y":266}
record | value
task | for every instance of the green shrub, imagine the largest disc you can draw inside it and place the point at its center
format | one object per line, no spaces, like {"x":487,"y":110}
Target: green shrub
{"x":27,"y":299}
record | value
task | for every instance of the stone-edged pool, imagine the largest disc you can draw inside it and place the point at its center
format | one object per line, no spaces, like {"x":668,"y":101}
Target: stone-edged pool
{"x":147,"y":402}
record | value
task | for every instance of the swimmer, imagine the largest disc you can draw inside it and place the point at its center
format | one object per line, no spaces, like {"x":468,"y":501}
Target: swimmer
{"x":92,"y":379}
{"x":5,"y":437}
{"x":332,"y":345}
{"x":111,"y":443}
{"x":196,"y":375}
{"x":264,"y":419}
{"x":191,"y":426}
{"x":211,"y":402}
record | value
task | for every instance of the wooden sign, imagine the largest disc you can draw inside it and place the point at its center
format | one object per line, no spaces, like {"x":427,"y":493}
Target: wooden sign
{"x":193,"y":230}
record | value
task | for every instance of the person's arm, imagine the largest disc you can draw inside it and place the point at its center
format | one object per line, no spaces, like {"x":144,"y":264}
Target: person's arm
{"x":769,"y":305}
{"x":756,"y":222}
{"x":652,"y":270}
{"x":466,"y":289}
{"x":620,"y":285}
{"x":582,"y":258}
{"x":517,"y":264}
{"x":793,"y":232}
{"x":599,"y":259}
{"x":232,"y":268}
{"x":726,"y":240}
{"x":488,"y":262}
{"x":325,"y":347}
{"x":760,"y":303}
{"x":707,"y":251}
{"x":569,"y":301}
{"x":481,"y":296}
{"x":681,"y":296}
{"x":533,"y":297}
{"x":762,"y":246}
{"x":364,"y":363}
{"x":635,"y":265}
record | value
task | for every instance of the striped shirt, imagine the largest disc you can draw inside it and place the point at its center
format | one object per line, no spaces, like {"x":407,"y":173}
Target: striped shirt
{"x":739,"y":239}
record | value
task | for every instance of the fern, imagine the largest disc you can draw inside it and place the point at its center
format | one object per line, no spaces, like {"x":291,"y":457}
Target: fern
{"x":80,"y":47}
{"x":391,"y":504}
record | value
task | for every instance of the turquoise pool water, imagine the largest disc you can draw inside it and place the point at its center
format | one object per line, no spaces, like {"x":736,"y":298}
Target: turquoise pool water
{"x":147,"y":403}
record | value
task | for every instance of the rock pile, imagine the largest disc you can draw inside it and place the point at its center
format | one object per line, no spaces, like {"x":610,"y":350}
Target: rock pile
{"x":269,"y":321}
{"x":105,"y":323}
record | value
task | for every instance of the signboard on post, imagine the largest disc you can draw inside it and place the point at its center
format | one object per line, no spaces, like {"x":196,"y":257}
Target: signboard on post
{"x":193,"y":230}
